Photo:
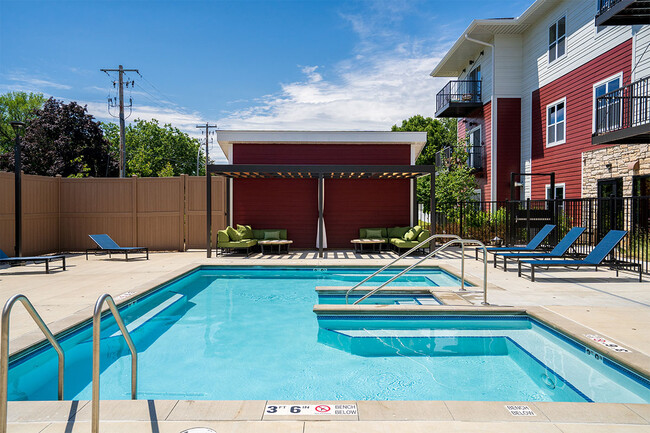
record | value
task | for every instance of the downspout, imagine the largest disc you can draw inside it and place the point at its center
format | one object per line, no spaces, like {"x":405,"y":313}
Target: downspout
{"x":493,"y":129}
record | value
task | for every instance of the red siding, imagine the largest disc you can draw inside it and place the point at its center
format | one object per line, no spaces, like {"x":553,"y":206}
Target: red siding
{"x":352,"y":204}
{"x":508,"y":143}
{"x":371,"y":154}
{"x":483,"y":117}
{"x":278,"y":204}
{"x":293,"y":203}
{"x":577,"y":87}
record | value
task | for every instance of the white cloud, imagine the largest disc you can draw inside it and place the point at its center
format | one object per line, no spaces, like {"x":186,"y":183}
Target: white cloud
{"x":372,"y":95}
{"x":37,"y":83}
{"x":384,"y":81}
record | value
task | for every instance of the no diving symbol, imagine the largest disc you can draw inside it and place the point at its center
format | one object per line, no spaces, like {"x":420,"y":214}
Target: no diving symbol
{"x":322,"y":408}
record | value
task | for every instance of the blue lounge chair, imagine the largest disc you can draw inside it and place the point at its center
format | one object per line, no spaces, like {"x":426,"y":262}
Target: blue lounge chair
{"x":109,"y":246}
{"x":534,"y":243}
{"x":558,"y":252}
{"x":36,"y":259}
{"x":594,"y":259}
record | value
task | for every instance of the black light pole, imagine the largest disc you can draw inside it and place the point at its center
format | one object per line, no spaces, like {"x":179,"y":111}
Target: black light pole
{"x":18,"y":249}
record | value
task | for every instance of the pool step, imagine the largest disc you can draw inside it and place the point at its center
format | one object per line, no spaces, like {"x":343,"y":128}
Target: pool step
{"x":151,"y":313}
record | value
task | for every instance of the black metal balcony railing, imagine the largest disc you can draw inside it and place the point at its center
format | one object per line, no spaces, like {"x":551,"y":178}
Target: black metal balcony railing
{"x":458,"y":94}
{"x":605,"y":5}
{"x":475,"y":157}
{"x":622,"y":12}
{"x":626,"y":107}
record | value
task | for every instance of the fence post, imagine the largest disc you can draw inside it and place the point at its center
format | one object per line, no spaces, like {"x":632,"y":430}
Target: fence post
{"x":134,"y":210}
{"x":527,"y":220}
{"x":181,"y":243}
{"x":460,"y":228}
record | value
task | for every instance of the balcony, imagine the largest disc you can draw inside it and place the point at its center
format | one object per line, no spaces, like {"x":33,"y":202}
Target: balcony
{"x":475,"y":157}
{"x":623,"y":116}
{"x":622,"y":12}
{"x":458,"y":98}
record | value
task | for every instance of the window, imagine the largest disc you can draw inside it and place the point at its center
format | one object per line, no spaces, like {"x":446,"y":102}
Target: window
{"x":556,"y":123}
{"x":557,"y":40}
{"x":474,"y":154}
{"x":607,"y":112}
{"x":559,"y":195}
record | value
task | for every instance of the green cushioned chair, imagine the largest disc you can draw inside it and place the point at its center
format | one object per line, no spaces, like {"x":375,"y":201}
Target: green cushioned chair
{"x":383,"y":233}
{"x":226,"y":242}
{"x":402,"y":244}
{"x":268,"y":234}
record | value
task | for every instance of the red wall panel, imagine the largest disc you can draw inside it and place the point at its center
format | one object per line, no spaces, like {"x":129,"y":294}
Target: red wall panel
{"x":352,"y":204}
{"x":508,"y":143}
{"x":340,"y":153}
{"x":293,"y":203}
{"x":577,"y":86}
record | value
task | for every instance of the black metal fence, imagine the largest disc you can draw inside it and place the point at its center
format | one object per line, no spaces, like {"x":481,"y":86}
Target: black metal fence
{"x":516,"y":222}
{"x":625,"y":107}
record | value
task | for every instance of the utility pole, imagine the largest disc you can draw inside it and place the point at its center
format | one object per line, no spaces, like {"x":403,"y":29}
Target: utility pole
{"x":120,"y":70}
{"x":208,"y":187}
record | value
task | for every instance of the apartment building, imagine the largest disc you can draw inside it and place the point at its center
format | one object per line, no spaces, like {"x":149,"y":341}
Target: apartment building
{"x":565,"y":89}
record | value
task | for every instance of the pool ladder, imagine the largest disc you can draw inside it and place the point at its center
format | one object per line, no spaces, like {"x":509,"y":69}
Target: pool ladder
{"x":4,"y":352}
{"x":455,"y":239}
{"x":97,"y":314}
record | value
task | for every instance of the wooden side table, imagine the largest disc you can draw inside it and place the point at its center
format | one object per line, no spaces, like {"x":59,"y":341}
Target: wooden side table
{"x":374,"y":243}
{"x":281,"y":244}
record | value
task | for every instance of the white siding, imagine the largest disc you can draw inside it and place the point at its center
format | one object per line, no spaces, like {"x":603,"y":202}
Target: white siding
{"x":641,"y":61}
{"x":485,"y":62}
{"x":584,"y":43}
{"x":509,"y":66}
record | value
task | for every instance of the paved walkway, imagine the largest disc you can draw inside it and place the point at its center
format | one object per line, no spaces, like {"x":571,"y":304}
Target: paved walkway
{"x":615,"y":308}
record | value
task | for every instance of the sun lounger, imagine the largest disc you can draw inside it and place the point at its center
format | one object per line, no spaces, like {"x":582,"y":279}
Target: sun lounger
{"x":109,"y":246}
{"x":534,"y":243}
{"x":36,"y":259}
{"x":594,"y":259}
{"x":558,"y":252}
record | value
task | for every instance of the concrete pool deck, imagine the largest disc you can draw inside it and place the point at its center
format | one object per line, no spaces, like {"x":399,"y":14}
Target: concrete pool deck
{"x":617,"y":309}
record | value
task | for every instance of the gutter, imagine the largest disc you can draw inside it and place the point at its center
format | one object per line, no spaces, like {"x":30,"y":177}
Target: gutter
{"x":493,"y":129}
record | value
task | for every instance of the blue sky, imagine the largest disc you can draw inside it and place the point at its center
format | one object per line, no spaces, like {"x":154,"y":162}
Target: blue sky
{"x":311,"y":64}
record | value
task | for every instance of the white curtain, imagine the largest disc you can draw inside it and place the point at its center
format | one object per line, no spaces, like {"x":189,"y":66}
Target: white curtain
{"x":318,"y":224}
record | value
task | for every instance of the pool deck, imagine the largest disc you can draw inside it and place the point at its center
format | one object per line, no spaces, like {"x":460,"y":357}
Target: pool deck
{"x":579,"y":302}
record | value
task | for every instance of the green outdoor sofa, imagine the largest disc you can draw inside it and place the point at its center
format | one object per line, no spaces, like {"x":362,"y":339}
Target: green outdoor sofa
{"x":398,"y":238}
{"x":245,"y":238}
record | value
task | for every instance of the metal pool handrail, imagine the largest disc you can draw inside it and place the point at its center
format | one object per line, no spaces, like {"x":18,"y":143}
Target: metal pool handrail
{"x":431,"y":254}
{"x":97,"y":316}
{"x":4,"y":352}
{"x":424,"y":242}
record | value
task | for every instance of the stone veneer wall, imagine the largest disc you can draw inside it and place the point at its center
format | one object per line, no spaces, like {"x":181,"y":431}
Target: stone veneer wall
{"x":594,"y":166}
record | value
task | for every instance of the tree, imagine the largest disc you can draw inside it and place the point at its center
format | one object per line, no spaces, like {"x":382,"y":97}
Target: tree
{"x":64,"y":139}
{"x":16,"y":106}
{"x":441,"y":133}
{"x":157,"y":151}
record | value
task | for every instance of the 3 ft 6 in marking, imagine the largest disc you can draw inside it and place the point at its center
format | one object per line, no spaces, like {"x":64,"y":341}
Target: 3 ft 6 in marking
{"x":311,"y":409}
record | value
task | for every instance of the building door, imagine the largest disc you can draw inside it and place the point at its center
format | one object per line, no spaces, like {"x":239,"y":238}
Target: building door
{"x":610,"y":206}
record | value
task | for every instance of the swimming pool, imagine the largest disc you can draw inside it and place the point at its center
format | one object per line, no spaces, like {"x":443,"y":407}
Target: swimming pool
{"x":251,"y":334}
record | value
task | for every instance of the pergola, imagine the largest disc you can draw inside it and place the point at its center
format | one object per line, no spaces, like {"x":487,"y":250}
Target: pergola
{"x":320,"y":172}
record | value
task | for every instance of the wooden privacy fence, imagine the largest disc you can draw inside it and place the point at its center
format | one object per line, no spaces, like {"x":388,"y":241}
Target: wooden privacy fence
{"x":159,"y":213}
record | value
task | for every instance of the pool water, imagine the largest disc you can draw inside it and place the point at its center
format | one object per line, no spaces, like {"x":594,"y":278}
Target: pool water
{"x":251,"y":334}
{"x":379,"y":298}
